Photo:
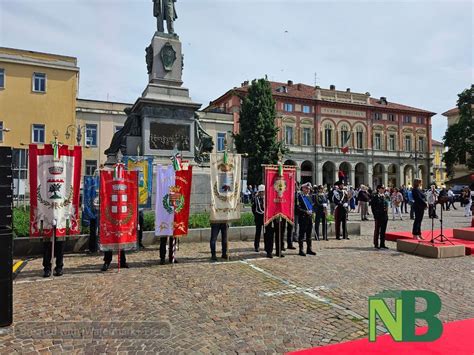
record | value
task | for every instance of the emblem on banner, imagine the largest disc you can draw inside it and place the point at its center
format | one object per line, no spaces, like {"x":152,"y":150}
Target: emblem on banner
{"x":173,"y":200}
{"x":280,"y":186}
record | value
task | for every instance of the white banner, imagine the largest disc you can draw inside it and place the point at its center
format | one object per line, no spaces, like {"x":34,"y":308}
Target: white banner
{"x":225,"y":187}
{"x":164,"y":218}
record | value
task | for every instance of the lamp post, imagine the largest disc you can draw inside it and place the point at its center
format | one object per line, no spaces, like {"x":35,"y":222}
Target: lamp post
{"x":78,"y":130}
{"x":414,"y":155}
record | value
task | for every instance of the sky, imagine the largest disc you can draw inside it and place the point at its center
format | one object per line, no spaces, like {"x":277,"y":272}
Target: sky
{"x":417,"y":53}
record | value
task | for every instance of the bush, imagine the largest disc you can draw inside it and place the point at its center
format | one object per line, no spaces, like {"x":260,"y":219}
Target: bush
{"x":246,"y":219}
{"x":199,"y":220}
{"x":21,"y":222}
{"x":149,"y":221}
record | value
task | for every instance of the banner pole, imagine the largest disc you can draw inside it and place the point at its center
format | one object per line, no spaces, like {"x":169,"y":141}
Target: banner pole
{"x":118,"y":259}
{"x":279,"y":237}
{"x":228,"y":240}
{"x":53,"y":240}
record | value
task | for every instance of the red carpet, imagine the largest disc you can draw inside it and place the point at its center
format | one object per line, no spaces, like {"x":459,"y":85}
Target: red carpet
{"x":393,"y":236}
{"x":456,"y":340}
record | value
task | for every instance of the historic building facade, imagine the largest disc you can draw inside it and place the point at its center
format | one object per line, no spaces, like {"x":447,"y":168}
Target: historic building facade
{"x":439,"y":168}
{"x":37,"y":98}
{"x":384,"y":142}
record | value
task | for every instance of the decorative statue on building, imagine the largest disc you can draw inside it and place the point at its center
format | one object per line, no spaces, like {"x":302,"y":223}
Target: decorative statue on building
{"x":149,"y":58}
{"x":164,"y":10}
{"x":132,"y":128}
{"x":203,"y":143}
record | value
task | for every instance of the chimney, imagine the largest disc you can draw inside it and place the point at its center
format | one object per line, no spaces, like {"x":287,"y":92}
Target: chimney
{"x":290,"y":82}
{"x":298,"y":86}
{"x":383,"y":100}
{"x":332,"y":87}
{"x":246,"y":83}
{"x":348,"y":90}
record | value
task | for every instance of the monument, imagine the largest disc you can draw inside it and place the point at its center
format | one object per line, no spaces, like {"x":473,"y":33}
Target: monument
{"x":164,"y":118}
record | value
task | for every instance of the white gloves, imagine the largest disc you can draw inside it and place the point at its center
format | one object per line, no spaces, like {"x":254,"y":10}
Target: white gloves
{"x":345,"y":205}
{"x":325,"y":205}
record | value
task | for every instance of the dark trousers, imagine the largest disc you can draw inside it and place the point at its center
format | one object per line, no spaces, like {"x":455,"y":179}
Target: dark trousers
{"x":289,"y":235}
{"x":419,"y":212}
{"x":321,"y":218}
{"x":93,"y":235}
{"x":305,"y":229}
{"x":340,"y":216}
{"x":451,"y":203}
{"x":379,"y":231}
{"x":108,"y":257}
{"x":432,"y":211}
{"x":58,"y":254}
{"x":215,"y":229}
{"x":412,"y":211}
{"x":404,"y":206}
{"x":141,"y":222}
{"x":268,"y":238}
{"x":258,"y":230}
{"x":163,"y":242}
{"x":279,"y":227}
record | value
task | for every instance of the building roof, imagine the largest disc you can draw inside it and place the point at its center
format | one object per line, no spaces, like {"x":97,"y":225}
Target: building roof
{"x":21,"y":56}
{"x":308,"y":92}
{"x":435,"y":142}
{"x":451,"y":112}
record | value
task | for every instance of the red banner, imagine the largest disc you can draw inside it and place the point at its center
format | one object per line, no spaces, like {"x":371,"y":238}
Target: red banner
{"x":279,"y":193}
{"x":182,"y":194}
{"x":54,"y":190}
{"x":118,"y":209}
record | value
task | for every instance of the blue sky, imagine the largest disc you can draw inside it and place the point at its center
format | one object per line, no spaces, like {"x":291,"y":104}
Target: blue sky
{"x":418,"y":53}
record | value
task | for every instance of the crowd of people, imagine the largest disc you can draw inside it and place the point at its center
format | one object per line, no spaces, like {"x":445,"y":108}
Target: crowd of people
{"x":314,"y":204}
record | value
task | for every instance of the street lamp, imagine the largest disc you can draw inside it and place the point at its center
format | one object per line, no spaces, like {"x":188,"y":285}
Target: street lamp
{"x":414,"y":155}
{"x":78,"y":130}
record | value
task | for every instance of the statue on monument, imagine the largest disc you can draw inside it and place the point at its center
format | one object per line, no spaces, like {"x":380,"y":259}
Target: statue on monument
{"x":132,"y":127}
{"x":203,"y":143}
{"x":164,"y":10}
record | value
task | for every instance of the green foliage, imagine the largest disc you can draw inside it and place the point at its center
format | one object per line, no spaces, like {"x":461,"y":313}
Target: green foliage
{"x":258,"y":133}
{"x":149,"y":221}
{"x":459,"y":138}
{"x":21,"y":222}
{"x":246,"y":219}
{"x":199,"y":220}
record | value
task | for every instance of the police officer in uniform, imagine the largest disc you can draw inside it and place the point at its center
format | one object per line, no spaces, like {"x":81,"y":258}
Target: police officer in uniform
{"x":305,"y":215}
{"x":320,"y":204}
{"x":379,"y":207}
{"x":340,"y":199}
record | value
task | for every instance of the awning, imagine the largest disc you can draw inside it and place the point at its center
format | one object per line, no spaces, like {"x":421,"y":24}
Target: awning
{"x":462,"y":180}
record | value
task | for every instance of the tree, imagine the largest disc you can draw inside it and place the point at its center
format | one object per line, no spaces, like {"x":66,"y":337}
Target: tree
{"x":258,"y":133}
{"x":459,"y":138}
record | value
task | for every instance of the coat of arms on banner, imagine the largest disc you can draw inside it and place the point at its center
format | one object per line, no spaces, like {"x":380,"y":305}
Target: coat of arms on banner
{"x":54,"y":187}
{"x":279,"y":193}
{"x":225,"y":187}
{"x":173,"y":201}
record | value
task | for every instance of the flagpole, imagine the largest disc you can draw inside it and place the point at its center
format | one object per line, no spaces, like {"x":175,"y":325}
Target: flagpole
{"x":53,"y":239}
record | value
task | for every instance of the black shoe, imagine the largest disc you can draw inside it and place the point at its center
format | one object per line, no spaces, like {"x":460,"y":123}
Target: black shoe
{"x":283,"y":249}
{"x":301,"y":253}
{"x":347,"y":238}
{"x":310,"y":252}
{"x":162,"y":262}
{"x":105,"y":267}
{"x":282,"y":256}
{"x":58,"y":272}
{"x":124,"y":266}
{"x":213,"y":258}
{"x":225,"y":256}
{"x":270,"y":256}
{"x":290,"y":247}
{"x":141,"y":246}
{"x":47,"y":273}
{"x":376,"y":247}
{"x":257,"y":250}
{"x":338,"y":238}
{"x":384,"y":247}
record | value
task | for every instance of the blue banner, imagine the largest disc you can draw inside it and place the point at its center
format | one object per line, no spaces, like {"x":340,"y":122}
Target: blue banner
{"x":144,"y":166}
{"x":90,"y":199}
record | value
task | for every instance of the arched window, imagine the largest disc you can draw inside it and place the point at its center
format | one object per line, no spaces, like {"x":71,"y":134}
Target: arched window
{"x":360,"y":137}
{"x":328,"y":135}
{"x":345,"y":135}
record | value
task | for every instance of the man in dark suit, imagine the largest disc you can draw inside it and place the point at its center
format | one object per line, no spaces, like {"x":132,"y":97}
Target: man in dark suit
{"x":379,"y":207}
{"x":305,"y":221}
{"x":258,"y":210}
{"x":419,"y":207}
{"x":340,"y":199}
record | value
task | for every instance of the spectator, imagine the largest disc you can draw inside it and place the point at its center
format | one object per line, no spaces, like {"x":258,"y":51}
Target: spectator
{"x":396,"y":199}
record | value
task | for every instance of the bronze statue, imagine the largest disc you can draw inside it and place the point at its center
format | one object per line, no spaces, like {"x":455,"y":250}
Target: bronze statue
{"x":132,"y":127}
{"x":203,"y":143}
{"x":164,"y":10}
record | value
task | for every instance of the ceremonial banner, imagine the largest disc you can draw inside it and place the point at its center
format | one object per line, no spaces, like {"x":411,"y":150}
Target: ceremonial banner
{"x":184,"y":180}
{"x":164,"y":210}
{"x":225,"y":187}
{"x":279,"y":193}
{"x":173,"y":195}
{"x":90,"y":199}
{"x":118,"y":209}
{"x":144,"y":166}
{"x":55,"y":178}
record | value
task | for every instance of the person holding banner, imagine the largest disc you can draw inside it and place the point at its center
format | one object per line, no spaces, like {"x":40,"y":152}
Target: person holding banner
{"x":215,"y":229}
{"x":58,"y":254}
{"x":340,"y":199}
{"x":320,"y":204}
{"x":108,"y":260}
{"x":305,"y":221}
{"x":258,"y":210}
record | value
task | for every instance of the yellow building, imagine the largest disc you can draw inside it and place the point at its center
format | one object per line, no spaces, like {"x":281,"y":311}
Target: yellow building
{"x":37,"y":96}
{"x":97,"y":122}
{"x":439,"y":168}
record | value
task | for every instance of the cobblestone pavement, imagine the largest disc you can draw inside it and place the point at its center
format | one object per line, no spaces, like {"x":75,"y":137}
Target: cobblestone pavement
{"x":249,"y":304}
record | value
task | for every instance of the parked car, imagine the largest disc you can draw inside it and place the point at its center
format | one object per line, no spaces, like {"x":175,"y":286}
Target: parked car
{"x":457,"y":192}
